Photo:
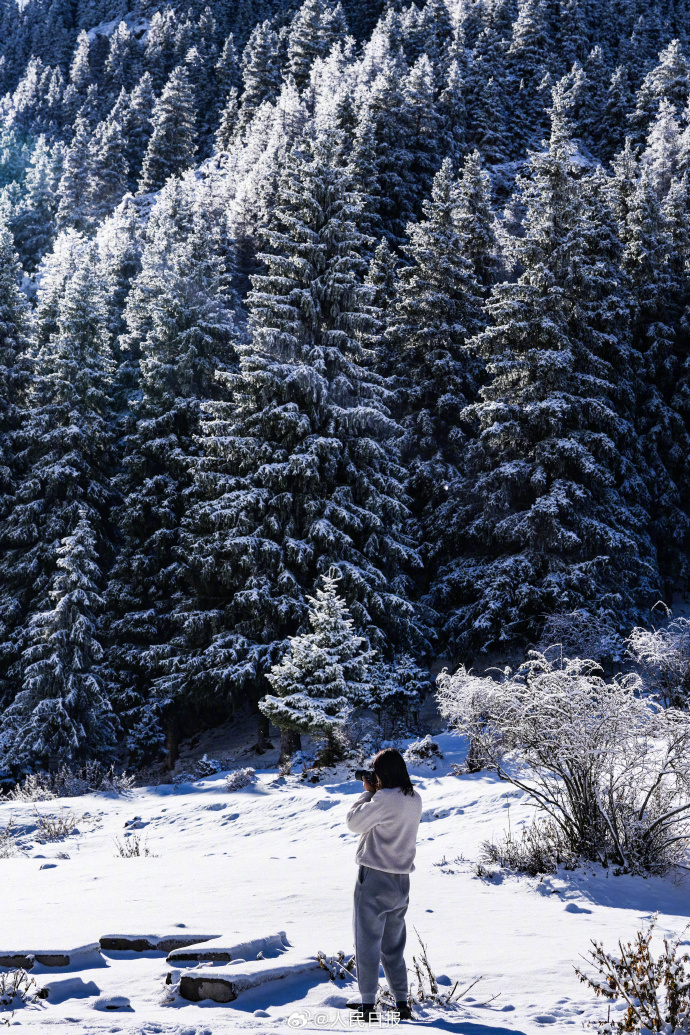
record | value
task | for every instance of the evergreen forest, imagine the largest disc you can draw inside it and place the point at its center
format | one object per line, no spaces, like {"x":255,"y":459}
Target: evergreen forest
{"x":361,"y":316}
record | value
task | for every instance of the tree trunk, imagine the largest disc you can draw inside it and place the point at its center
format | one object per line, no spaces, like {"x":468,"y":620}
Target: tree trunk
{"x":290,"y":741}
{"x":262,"y":741}
{"x":172,"y":737}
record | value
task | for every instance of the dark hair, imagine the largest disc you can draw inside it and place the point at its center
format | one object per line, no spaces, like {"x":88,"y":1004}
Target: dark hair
{"x":389,"y":766}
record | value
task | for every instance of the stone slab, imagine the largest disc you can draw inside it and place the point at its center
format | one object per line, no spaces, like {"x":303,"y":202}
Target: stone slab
{"x":225,"y":984}
{"x":152,"y":942}
{"x":27,"y":958}
{"x":220,"y":952}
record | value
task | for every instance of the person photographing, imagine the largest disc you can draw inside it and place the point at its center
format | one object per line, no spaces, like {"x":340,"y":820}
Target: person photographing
{"x":387,"y":816}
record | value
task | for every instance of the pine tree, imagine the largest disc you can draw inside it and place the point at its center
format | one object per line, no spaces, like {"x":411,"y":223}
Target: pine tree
{"x":323,"y":672}
{"x":297,"y":474}
{"x":225,"y":134}
{"x":436,"y":311}
{"x":123,"y":64}
{"x":63,"y":442}
{"x":73,"y":209}
{"x":260,"y":70}
{"x":173,"y":140}
{"x":615,"y":114}
{"x":475,"y":221}
{"x":453,"y":115}
{"x":549,"y":513}
{"x":179,"y":332}
{"x":61,"y":708}
{"x":660,"y":158}
{"x":314,"y":30}
{"x":108,"y":181}
{"x":137,"y":127}
{"x":526,"y":59}
{"x":33,"y":218}
{"x":15,"y":326}
{"x":656,"y":292}
{"x":227,"y":70}
{"x":670,"y":81}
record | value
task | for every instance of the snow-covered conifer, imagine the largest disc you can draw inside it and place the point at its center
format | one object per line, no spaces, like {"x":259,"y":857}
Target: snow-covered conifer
{"x":173,"y":140}
{"x":323,"y":673}
{"x":298,"y":473}
{"x":61,"y":708}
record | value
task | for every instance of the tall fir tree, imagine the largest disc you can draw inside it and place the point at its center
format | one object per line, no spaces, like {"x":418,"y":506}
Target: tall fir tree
{"x":15,"y":329}
{"x":179,"y":331}
{"x":298,"y":472}
{"x":63,"y":445}
{"x":173,"y":140}
{"x":62,"y":709}
{"x":549,"y":514}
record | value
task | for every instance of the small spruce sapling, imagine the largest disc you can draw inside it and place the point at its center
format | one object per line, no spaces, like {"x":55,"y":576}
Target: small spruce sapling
{"x":324,"y":672}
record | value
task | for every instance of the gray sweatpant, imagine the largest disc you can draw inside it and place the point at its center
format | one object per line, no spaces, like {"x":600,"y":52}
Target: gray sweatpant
{"x":378,"y":921}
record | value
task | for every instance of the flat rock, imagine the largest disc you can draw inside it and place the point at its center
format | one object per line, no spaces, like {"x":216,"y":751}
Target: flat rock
{"x":155,"y":942}
{"x":27,"y":958}
{"x":220,"y":952}
{"x":112,"y":1002}
{"x":225,"y":984}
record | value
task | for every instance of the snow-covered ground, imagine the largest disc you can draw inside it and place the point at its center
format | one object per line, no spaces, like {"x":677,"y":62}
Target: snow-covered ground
{"x":277,"y":856}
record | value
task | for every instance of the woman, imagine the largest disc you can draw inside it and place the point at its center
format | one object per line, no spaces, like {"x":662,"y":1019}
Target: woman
{"x":387,"y":816}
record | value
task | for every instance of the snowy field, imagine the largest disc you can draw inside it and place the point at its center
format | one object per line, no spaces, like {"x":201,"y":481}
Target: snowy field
{"x":277,"y":856}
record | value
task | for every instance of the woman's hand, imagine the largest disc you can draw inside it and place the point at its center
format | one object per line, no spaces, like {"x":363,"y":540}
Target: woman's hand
{"x":368,"y":787}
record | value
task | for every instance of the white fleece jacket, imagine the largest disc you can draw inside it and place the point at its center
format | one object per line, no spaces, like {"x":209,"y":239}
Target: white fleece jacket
{"x":388,"y":822}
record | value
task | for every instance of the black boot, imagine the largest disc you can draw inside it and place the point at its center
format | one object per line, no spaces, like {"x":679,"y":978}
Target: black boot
{"x":404,"y":1010}
{"x":365,"y":1012}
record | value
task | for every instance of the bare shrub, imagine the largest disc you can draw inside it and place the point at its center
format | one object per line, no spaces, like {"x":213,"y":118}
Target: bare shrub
{"x":19,"y":988}
{"x":663,"y":657}
{"x":240,"y":778}
{"x":337,"y":965}
{"x":132,"y":847}
{"x":656,"y":992}
{"x":427,"y":989}
{"x":611,"y":770}
{"x":8,"y":841}
{"x":54,"y":826}
{"x":285,"y":768}
{"x":71,"y":783}
{"x":540,"y":848}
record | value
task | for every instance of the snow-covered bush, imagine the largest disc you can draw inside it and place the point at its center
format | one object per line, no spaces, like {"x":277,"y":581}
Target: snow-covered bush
{"x":663,"y":656}
{"x":207,"y":766}
{"x":239,"y":778}
{"x":424,"y":750}
{"x":610,"y":768}
{"x":656,"y":992}
{"x":471,"y":696}
{"x":584,"y":634}
{"x":429,"y":989}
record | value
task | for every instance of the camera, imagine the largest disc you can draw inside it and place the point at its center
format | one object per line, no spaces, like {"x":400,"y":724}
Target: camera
{"x":366,"y":774}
